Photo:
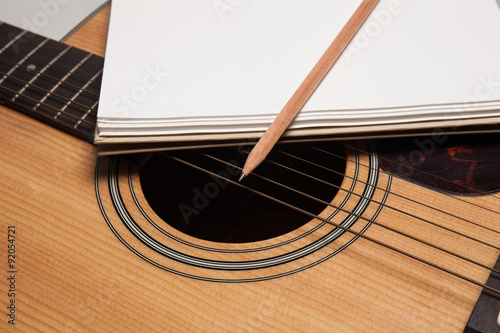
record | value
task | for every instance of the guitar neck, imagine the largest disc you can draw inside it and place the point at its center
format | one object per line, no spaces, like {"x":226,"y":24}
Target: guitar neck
{"x":50,"y":81}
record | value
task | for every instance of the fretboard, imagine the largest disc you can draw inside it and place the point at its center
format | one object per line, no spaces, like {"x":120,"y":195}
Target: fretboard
{"x":50,"y":81}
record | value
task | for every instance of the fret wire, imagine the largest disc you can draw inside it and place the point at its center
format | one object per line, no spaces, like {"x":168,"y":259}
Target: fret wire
{"x":81,"y":119}
{"x":37,"y":75}
{"x":72,"y":100}
{"x":86,"y":114}
{"x":51,"y":91}
{"x":76,"y":75}
{"x":53,"y":77}
{"x":395,"y":194}
{"x":360,"y":235}
{"x":86,"y":107}
{"x":13,"y":40}
{"x":59,"y":84}
{"x":44,"y":52}
{"x":48,"y":106}
{"x":444,"y":193}
{"x":365,"y":218}
{"x":24,"y":59}
{"x":89,"y":109}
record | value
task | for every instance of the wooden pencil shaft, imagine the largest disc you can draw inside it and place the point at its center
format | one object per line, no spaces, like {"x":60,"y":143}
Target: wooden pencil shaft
{"x":307,"y":87}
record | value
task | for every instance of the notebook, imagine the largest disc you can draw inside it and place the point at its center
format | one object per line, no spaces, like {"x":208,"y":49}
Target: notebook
{"x":194,"y":70}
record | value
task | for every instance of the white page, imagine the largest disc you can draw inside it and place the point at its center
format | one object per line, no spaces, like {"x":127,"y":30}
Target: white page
{"x":248,"y":60}
{"x":50,"y":18}
{"x":428,"y":52}
{"x":413,"y":53}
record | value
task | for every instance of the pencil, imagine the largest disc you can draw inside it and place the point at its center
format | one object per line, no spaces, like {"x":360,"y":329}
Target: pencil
{"x":307,"y":87}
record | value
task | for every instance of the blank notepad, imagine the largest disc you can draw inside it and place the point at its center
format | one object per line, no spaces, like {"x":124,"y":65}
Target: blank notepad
{"x":190,"y":67}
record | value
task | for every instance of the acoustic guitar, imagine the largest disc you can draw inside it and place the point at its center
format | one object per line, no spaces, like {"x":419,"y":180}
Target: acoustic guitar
{"x":393,"y":235}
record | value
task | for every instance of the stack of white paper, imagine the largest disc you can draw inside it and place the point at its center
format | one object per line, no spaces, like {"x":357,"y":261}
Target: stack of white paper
{"x":192,"y":67}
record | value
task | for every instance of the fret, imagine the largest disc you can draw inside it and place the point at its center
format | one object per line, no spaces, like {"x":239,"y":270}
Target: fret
{"x":80,"y":91}
{"x":73,"y":93}
{"x":23,"y":60}
{"x":13,"y":41}
{"x":88,"y":75}
{"x":49,"y":80}
{"x":93,"y":107}
{"x":24,"y":98}
{"x":59,"y":84}
{"x":85,"y":79}
{"x":32,"y":51}
{"x":30,"y":82}
{"x":34,"y":86}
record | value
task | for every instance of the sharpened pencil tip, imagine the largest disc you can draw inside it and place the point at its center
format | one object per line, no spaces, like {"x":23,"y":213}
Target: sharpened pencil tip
{"x":242,"y":176}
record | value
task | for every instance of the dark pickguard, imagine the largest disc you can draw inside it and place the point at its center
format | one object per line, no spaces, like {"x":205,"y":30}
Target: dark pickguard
{"x":463,"y":164}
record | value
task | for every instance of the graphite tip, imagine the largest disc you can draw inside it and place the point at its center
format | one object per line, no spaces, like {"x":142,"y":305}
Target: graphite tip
{"x":242,"y":176}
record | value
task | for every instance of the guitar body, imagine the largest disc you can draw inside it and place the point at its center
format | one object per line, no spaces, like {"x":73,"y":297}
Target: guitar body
{"x":85,"y":263}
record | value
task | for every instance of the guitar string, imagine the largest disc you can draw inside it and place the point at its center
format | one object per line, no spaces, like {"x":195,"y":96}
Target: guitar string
{"x":462,"y":201}
{"x":310,"y":214}
{"x":390,"y":207}
{"x":437,"y":177}
{"x":64,"y":99}
{"x":80,"y":119}
{"x":385,"y":245}
{"x":444,"y":193}
{"x":359,"y":216}
{"x":396,"y":194}
{"x":57,"y":80}
{"x":50,"y":107}
{"x":57,"y":68}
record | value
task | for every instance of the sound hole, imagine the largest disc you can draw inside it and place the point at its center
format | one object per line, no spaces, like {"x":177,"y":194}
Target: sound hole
{"x":204,"y":206}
